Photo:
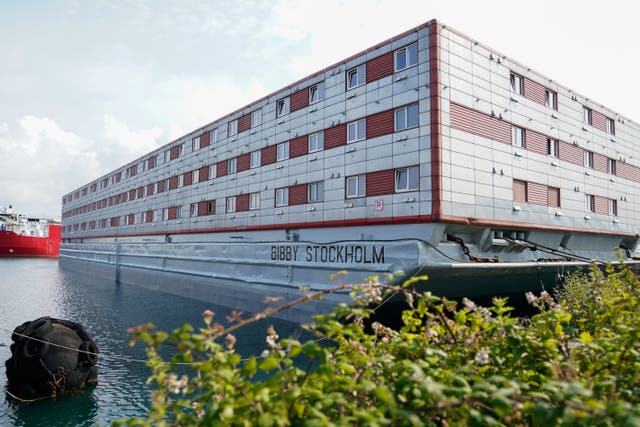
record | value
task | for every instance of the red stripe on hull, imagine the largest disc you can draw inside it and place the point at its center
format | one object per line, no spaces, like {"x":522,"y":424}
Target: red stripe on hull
{"x":16,"y":245}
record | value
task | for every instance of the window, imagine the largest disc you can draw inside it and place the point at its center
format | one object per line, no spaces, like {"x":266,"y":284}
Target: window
{"x":519,"y":191}
{"x":282,"y":196}
{"x":406,"y":117}
{"x":193,"y":209}
{"x":587,"y":115}
{"x":165,"y":214}
{"x":553,"y":197}
{"x":167,"y":156}
{"x":588,"y":159}
{"x":551,"y":99}
{"x":232,"y":128}
{"x":590,"y":203}
{"x":231,"y":204}
{"x":408,"y":179}
{"x":282,"y":107}
{"x":195,"y":143}
{"x":155,"y":188}
{"x":180,"y":150}
{"x":213,"y":136}
{"x":254,"y":201}
{"x":611,"y":166}
{"x":406,"y":57}
{"x":212,"y":171}
{"x":232,"y":165}
{"x":180,"y":180}
{"x":195,"y":176}
{"x":256,"y":157}
{"x":166,"y":184}
{"x":316,"y":93}
{"x":356,"y":186}
{"x":356,"y":76}
{"x":609,"y":126}
{"x":517,"y":83}
{"x":315,"y":192}
{"x":356,"y":131}
{"x":612,"y":207}
{"x":179,"y":212}
{"x":517,"y":136}
{"x":316,"y":142}
{"x":256,"y":118}
{"x":553,"y":148}
{"x":283,"y":151}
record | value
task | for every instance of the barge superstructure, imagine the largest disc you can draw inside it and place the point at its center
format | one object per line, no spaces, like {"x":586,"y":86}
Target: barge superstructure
{"x":429,"y":153}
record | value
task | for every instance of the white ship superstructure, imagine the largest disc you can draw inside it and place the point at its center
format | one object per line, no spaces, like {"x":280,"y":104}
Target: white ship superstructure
{"x":428,"y":153}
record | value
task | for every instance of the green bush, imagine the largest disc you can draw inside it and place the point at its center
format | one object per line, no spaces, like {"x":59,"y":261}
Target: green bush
{"x":576,"y":362}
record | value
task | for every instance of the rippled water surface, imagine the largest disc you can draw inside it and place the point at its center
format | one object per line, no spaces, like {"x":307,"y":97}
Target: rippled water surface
{"x":31,"y":288}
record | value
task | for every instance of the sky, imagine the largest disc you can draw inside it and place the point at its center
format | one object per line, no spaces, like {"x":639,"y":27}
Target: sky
{"x":88,"y":86}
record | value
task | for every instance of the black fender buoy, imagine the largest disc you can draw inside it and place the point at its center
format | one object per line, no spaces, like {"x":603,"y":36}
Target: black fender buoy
{"x":50,"y":357}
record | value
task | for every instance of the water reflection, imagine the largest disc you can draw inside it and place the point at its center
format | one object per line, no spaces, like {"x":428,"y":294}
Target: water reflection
{"x":34,"y":288}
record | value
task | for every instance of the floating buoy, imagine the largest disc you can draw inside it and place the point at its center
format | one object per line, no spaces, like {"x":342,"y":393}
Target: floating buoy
{"x":50,"y":357}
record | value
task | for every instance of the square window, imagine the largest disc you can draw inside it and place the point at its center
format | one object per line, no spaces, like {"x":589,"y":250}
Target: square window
{"x":407,"y":179}
{"x":517,"y":83}
{"x":553,"y":147}
{"x":517,"y":136}
{"x":232,"y":128}
{"x":588,"y":159}
{"x":282,"y":151}
{"x":316,"y":142}
{"x":406,"y":57}
{"x":282,"y":107}
{"x":406,"y":117}
{"x":551,"y":99}
{"x":356,"y":76}
{"x":282,"y":196}
{"x":356,"y":186}
{"x":256,"y":118}
{"x":315,"y":192}
{"x":356,"y":131}
{"x":519,"y":191}
{"x":256,"y":157}
{"x":254,"y":201}
{"x":587,"y":115}
{"x":231,"y":204}
{"x":232,"y":165}
{"x":316,"y":93}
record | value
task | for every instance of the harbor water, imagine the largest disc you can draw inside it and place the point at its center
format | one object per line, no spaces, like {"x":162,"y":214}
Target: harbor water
{"x":31,"y":288}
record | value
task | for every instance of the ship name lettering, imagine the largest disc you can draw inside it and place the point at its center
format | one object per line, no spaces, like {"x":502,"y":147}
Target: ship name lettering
{"x":345,"y":254}
{"x":284,"y":253}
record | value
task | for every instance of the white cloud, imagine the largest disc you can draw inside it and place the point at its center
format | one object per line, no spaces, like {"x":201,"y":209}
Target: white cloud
{"x":134,"y":143}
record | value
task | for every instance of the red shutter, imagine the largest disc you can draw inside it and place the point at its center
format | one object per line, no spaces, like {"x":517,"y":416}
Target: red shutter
{"x":537,"y":194}
{"x":298,"y":146}
{"x":269,"y":155}
{"x":380,"y":124}
{"x":173,"y":213}
{"x":335,"y":136}
{"x":242,"y":203}
{"x":203,"y":175}
{"x":244,"y":161}
{"x":204,"y":139}
{"x":173,"y":183}
{"x":600,"y":162}
{"x":299,"y":99}
{"x":602,"y":205}
{"x":140,"y":192}
{"x":298,"y":194}
{"x":222,"y":168}
{"x":380,"y":183}
{"x":535,"y":142}
{"x":149,"y":189}
{"x":627,"y":171}
{"x":535,"y":91}
{"x":471,"y":121}
{"x":203,"y":208}
{"x":132,"y":194}
{"x":571,"y":153}
{"x":598,"y":120}
{"x":174,"y":153}
{"x":244,"y":123}
{"x":187,"y":178}
{"x":161,"y":186}
{"x":380,"y":67}
{"x":118,"y":178}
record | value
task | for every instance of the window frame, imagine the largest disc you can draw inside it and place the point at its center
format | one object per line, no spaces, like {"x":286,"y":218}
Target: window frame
{"x":281,"y":197}
{"x":406,"y":116}
{"x":553,"y":148}
{"x":254,"y":201}
{"x":232,"y":165}
{"x":551,"y":99}
{"x":360,"y":186}
{"x":316,"y":93}
{"x":589,"y":203}
{"x":611,"y":166}
{"x":195,"y":176}
{"x":588,"y":159}
{"x":255,"y":159}
{"x":516,"y":82}
{"x":587,"y":115}
{"x":180,"y":181}
{"x":609,"y":126}
{"x":193,"y":210}
{"x":315,"y":142}
{"x":360,"y":72}
{"x":315,"y":192}
{"x":230,"y":204}
{"x":407,"y":50}
{"x":213,"y":171}
{"x":409,"y":170}
{"x":232,"y":128}
{"x":356,"y":126}
{"x":518,"y":136}
{"x":256,"y":118}
{"x":283,"y":106}
{"x":612,"y":207}
{"x":282,"y":151}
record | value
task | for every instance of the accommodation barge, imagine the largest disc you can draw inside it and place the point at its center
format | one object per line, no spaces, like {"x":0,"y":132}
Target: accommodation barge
{"x":429,"y":153}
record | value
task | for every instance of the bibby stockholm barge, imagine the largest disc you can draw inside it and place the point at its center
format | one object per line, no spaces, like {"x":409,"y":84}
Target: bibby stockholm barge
{"x":428,"y":153}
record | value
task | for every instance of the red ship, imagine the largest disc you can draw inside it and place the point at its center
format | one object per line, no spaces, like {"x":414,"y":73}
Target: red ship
{"x":21,"y":236}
